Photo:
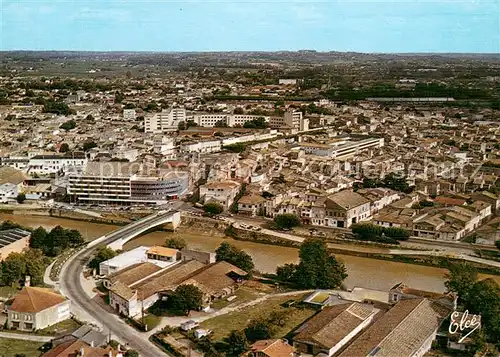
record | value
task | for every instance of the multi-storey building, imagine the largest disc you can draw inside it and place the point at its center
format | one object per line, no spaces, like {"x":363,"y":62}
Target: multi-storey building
{"x":295,"y":120}
{"x":129,"y":114}
{"x":123,"y":183}
{"x":211,"y":120}
{"x":51,"y":164}
{"x":165,"y":121}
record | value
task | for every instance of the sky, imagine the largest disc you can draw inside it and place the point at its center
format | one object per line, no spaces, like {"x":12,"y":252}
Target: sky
{"x":251,"y":25}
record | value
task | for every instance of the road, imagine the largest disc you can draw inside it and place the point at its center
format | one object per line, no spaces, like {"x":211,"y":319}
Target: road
{"x":19,"y":336}
{"x":70,"y":283}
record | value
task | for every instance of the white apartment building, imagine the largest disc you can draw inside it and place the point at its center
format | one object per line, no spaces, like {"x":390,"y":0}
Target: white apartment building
{"x":165,"y":121}
{"x":51,"y":164}
{"x":129,"y":114}
{"x":210,"y":120}
{"x":222,"y":192}
{"x":342,"y":149}
{"x":122,"y":183}
{"x":202,"y":147}
{"x":295,"y":120}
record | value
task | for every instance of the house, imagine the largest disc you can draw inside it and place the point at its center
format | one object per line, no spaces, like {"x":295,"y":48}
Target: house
{"x":490,"y":198}
{"x":345,"y":208}
{"x":330,"y":330}
{"x":37,"y":308}
{"x":79,"y":348}
{"x":11,"y":183}
{"x":406,"y":330}
{"x":163,"y":254}
{"x":451,"y":223}
{"x":271,"y":348}
{"x":189,"y":325}
{"x":251,"y":205}
{"x":140,"y":286}
{"x":222,"y":192}
{"x":13,"y":241}
{"x":156,"y":255}
{"x":216,"y":280}
{"x":379,"y":197}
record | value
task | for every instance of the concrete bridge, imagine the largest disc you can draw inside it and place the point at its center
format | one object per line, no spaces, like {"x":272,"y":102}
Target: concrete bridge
{"x":117,"y":239}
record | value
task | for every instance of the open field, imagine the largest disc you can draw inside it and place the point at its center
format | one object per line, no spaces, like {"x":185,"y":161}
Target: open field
{"x":238,"y":320}
{"x":9,"y":348}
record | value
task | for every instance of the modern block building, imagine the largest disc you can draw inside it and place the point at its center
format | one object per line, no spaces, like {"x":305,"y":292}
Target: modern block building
{"x":165,"y":121}
{"x":124,"y":183}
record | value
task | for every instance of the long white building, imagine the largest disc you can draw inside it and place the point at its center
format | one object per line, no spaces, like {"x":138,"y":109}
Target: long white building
{"x":165,"y":121}
{"x":123,"y":183}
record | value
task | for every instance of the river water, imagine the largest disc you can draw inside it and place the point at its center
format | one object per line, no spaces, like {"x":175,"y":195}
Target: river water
{"x":365,"y":272}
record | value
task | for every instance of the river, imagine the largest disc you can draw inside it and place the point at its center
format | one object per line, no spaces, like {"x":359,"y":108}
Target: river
{"x":365,"y":272}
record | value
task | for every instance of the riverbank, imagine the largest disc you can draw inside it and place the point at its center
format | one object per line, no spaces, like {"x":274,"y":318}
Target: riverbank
{"x":204,"y":235}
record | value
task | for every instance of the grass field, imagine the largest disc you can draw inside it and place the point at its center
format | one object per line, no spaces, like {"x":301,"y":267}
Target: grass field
{"x":8,"y":291}
{"x":243,"y":294}
{"x":238,"y":320}
{"x":65,"y":326}
{"x":9,"y":348}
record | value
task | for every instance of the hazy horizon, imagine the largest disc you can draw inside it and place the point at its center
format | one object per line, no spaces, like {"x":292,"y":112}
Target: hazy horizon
{"x":367,"y":26}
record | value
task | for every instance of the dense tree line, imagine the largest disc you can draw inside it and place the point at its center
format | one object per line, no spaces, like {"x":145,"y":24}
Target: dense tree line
{"x":389,"y":181}
{"x":30,"y":262}
{"x":259,"y":123}
{"x":56,"y":241}
{"x":56,"y":107}
{"x":318,"y":269}
{"x":375,"y":233}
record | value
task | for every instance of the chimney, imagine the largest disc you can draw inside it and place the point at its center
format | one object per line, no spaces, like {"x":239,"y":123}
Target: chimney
{"x":82,"y":352}
{"x":27,"y":281}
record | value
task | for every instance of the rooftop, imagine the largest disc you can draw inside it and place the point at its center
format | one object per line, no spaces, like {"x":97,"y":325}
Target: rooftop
{"x":12,"y":235}
{"x":34,"y":299}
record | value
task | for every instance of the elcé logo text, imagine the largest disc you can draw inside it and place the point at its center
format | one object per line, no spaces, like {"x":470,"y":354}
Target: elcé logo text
{"x":462,"y":321}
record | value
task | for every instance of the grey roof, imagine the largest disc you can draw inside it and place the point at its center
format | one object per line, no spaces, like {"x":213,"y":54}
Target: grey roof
{"x":91,"y":336}
{"x":12,"y":235}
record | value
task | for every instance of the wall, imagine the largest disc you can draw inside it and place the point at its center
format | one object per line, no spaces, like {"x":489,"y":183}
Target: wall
{"x":16,"y":247}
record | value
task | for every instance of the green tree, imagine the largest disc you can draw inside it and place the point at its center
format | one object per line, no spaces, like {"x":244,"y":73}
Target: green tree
{"x":286,"y":272}
{"x":131,"y":353}
{"x":35,"y":264}
{"x":21,"y":197}
{"x":101,"y":255}
{"x":460,"y":280}
{"x":233,"y":255}
{"x":221,"y":124}
{"x":484,"y":299}
{"x":175,"y":243}
{"x":238,"y":111}
{"x":181,"y":125}
{"x":213,"y":208}
{"x":89,"y":145}
{"x":119,"y":97}
{"x":259,"y":123}
{"x":236,"y":148}
{"x":64,"y":148}
{"x":38,"y":238}
{"x":68,"y":125}
{"x":61,"y":108}
{"x":317,"y":268}
{"x":497,"y":243}
{"x":259,"y":329}
{"x":13,"y":268}
{"x":185,"y":298}
{"x":236,"y":343}
{"x":286,"y":221}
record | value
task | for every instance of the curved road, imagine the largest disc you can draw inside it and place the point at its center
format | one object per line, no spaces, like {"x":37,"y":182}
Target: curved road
{"x":71,"y":287}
